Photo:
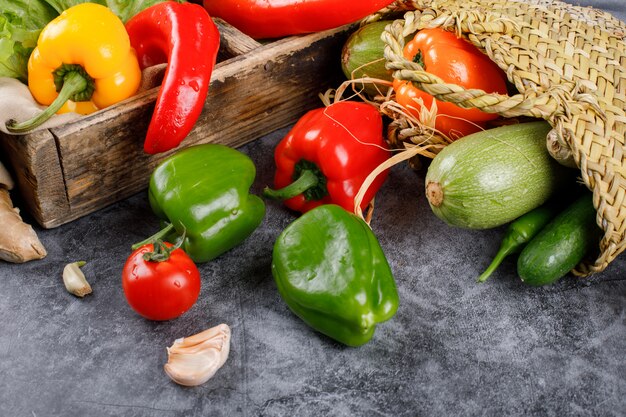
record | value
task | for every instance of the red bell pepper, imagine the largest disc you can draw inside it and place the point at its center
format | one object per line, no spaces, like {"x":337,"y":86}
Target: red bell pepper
{"x":275,"y":18}
{"x":184,"y":36}
{"x":327,"y":156}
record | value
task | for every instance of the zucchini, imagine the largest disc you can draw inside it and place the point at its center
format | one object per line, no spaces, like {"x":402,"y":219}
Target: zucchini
{"x":362,"y":55}
{"x":490,"y":178}
{"x":561,"y":245}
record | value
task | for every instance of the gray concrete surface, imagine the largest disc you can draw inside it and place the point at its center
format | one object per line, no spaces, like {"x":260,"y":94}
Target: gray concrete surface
{"x":454,"y":348}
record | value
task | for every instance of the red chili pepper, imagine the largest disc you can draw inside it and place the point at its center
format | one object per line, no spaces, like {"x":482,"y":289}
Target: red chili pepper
{"x":275,"y":18}
{"x":184,"y":36}
{"x":327,"y":155}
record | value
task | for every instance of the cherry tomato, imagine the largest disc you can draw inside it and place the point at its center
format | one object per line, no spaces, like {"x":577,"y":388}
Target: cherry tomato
{"x":160,"y":290}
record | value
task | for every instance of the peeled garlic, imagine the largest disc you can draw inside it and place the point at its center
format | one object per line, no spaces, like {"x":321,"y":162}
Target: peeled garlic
{"x":74,"y":279}
{"x":194,"y":360}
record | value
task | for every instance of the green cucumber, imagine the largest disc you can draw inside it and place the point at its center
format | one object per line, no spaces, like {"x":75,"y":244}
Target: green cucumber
{"x":561,"y":245}
{"x":490,"y":178}
{"x":362,"y":56}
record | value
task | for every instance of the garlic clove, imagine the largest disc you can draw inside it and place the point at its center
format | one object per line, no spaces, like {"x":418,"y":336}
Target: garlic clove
{"x":74,"y":279}
{"x":195,"y":359}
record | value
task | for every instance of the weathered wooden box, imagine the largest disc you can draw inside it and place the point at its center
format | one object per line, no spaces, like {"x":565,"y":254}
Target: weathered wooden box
{"x":69,"y":171}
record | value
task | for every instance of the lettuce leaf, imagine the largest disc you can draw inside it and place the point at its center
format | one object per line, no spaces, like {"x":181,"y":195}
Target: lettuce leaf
{"x":127,"y":9}
{"x":20,"y":24}
{"x":123,"y":9}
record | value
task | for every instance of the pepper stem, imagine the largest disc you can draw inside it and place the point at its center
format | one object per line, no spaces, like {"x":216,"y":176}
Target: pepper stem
{"x":157,"y":236}
{"x":419,"y":59}
{"x":307,"y":180}
{"x":74,"y":83}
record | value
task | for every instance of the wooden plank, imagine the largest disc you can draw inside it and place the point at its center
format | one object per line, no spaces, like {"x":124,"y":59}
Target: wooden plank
{"x":233,"y":42}
{"x":250,"y":95}
{"x":36,"y":168}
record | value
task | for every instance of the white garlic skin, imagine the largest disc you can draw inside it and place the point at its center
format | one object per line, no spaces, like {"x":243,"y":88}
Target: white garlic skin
{"x":193,"y":360}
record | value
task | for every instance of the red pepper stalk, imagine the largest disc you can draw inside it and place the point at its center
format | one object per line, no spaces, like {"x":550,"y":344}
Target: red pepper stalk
{"x":184,"y":36}
{"x":327,"y":156}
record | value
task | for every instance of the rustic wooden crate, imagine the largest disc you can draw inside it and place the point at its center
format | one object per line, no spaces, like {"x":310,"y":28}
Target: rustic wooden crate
{"x":72,"y":170}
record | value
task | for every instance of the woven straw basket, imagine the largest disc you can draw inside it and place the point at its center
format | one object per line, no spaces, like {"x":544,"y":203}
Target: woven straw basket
{"x":568,"y":64}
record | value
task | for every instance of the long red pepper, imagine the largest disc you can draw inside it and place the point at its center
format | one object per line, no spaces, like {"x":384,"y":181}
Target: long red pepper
{"x":184,"y":36}
{"x":275,"y":18}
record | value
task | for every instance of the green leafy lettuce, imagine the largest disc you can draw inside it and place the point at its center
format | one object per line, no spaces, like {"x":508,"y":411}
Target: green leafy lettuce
{"x":124,"y":9}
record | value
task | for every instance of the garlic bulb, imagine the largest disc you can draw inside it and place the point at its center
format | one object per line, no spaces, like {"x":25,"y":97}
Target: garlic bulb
{"x":194,"y":360}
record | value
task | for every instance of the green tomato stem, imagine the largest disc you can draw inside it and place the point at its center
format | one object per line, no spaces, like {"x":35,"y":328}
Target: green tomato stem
{"x":157,"y":236}
{"x":160,"y":251}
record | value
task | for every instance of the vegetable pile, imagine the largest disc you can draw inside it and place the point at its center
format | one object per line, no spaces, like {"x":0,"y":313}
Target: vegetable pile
{"x":90,"y":56}
{"x":483,"y":171}
{"x":328,"y":266}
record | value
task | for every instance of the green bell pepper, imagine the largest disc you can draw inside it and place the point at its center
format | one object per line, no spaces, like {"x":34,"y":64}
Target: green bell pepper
{"x":332,"y":273}
{"x":204,"y":193}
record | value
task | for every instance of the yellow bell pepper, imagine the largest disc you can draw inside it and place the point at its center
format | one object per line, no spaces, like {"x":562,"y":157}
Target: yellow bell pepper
{"x":83,"y":62}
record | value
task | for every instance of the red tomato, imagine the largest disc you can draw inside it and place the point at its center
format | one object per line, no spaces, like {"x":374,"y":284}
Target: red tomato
{"x":160,"y":290}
